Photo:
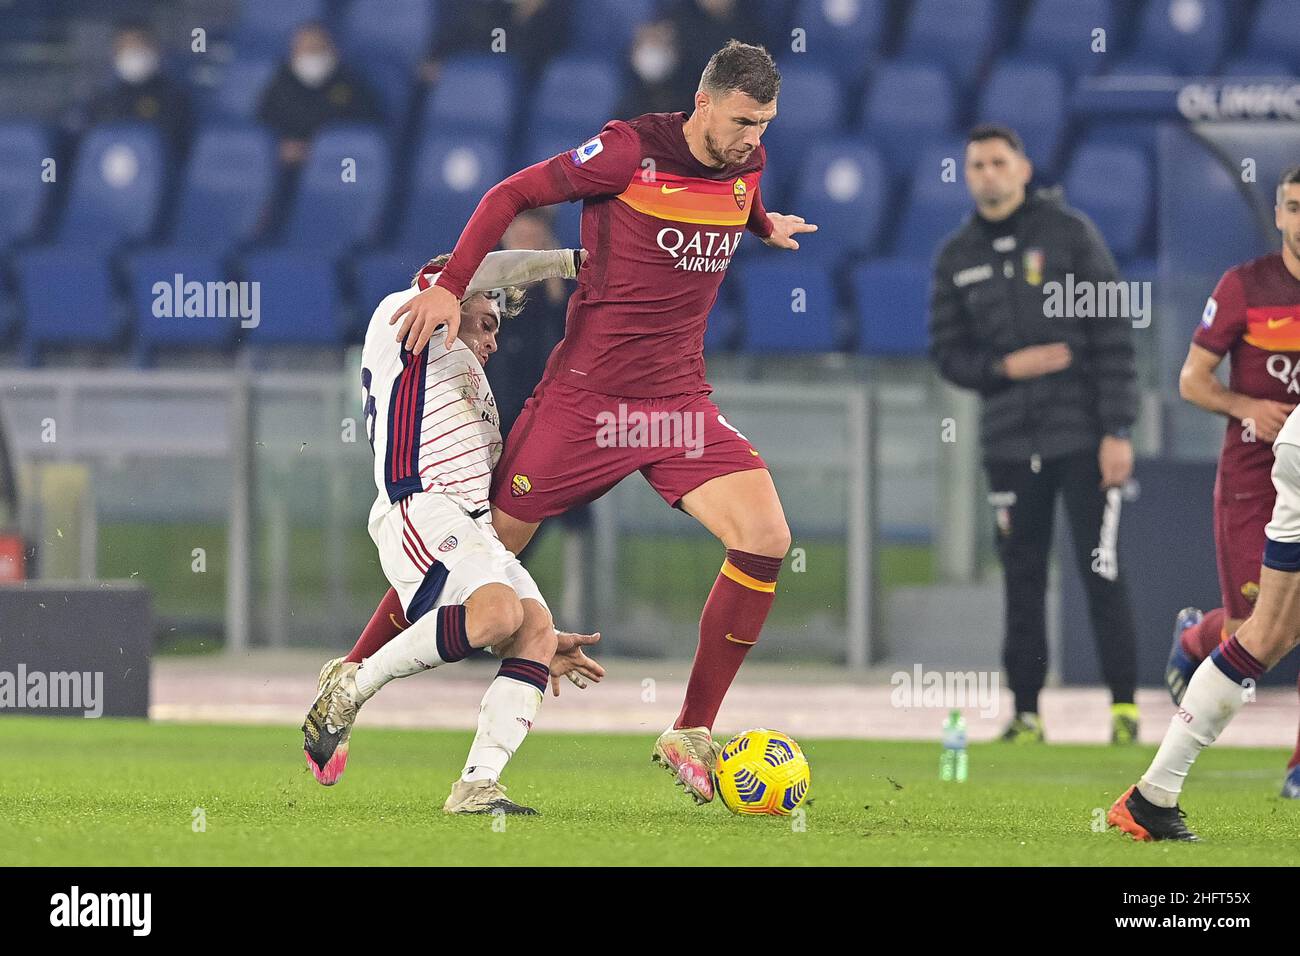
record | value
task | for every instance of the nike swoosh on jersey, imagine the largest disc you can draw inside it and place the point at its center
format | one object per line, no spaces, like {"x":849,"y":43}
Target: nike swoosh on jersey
{"x":665,"y":190}
{"x":1278,"y":323}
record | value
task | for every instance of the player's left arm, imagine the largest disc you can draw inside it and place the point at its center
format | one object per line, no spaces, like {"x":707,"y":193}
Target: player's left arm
{"x":775,"y":229}
{"x":1110,"y":348}
{"x":521,"y":267}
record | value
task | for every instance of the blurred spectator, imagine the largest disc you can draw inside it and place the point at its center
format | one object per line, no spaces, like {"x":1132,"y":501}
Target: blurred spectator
{"x":140,"y":91}
{"x":703,"y":28}
{"x":659,"y":85}
{"x":535,"y":30}
{"x":526,"y":344}
{"x":313,"y":87}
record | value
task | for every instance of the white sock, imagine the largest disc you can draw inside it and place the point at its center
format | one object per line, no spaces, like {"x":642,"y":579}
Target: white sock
{"x":1212,"y":700}
{"x":412,"y":651}
{"x":504,"y":718}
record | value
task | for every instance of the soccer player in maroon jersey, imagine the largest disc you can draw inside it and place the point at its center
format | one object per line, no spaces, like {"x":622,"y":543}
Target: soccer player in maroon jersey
{"x":1254,"y":316}
{"x":666,"y":201}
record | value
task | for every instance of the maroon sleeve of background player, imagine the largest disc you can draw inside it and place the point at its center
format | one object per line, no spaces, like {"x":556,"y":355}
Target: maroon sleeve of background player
{"x":1226,"y":312}
{"x":555,"y":180}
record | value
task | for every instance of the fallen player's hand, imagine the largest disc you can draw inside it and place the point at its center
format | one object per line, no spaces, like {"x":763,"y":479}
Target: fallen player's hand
{"x":784,"y":229}
{"x":424,"y":313}
{"x":570,"y":661}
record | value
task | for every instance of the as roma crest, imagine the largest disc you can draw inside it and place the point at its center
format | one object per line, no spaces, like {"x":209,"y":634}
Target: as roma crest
{"x":739,"y":191}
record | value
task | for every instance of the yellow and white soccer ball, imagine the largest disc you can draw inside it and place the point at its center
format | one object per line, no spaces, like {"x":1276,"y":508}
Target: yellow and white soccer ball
{"x":762,"y":772}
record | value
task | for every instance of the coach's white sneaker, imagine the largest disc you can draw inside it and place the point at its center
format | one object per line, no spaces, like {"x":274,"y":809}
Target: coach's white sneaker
{"x":690,"y":755}
{"x":483,"y":796}
{"x":328,"y":724}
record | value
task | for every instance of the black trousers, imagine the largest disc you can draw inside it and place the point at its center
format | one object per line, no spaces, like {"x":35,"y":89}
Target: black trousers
{"x":1024,"y":500}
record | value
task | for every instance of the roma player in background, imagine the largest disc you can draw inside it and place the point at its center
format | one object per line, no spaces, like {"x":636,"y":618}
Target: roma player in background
{"x":1254,"y":317}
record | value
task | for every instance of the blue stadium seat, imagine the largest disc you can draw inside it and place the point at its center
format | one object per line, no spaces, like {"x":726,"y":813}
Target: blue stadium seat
{"x":578,"y":93}
{"x":810,"y":106}
{"x":935,"y":206}
{"x":24,"y":146}
{"x":265,"y":28}
{"x":329,"y":213}
{"x":958,"y":34}
{"x":299,"y":299}
{"x":227,"y":187}
{"x":771,"y":290}
{"x":1187,"y":36}
{"x":891,"y":118}
{"x":844,"y":34}
{"x":1112,"y":185}
{"x":117,"y":186}
{"x":473,"y":93}
{"x":1031,"y":98}
{"x":1275,"y":32}
{"x":543,"y":144}
{"x":394,"y":87}
{"x":843,"y":189}
{"x":1060,"y":32}
{"x":384,"y":272}
{"x":449,"y":177}
{"x":605,"y":27}
{"x":891,"y":298}
{"x":1252,"y":66}
{"x":213,"y":329}
{"x":398,"y":32}
{"x":66,"y":295}
{"x":239,"y":91}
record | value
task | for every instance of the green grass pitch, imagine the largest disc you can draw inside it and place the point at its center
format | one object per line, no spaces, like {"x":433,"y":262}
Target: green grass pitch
{"x":117,"y":792}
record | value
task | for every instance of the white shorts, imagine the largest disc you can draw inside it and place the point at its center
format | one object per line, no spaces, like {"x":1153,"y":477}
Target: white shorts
{"x":1282,"y":549}
{"x":434,"y":554}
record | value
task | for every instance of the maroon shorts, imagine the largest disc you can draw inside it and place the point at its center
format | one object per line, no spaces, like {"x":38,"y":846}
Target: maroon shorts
{"x":1239,"y":522}
{"x":569,"y":446}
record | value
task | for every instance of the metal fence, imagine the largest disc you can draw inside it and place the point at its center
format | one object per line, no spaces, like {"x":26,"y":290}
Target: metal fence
{"x":242,"y":496}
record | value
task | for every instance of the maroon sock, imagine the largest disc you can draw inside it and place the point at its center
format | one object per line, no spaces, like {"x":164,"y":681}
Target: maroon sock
{"x":388,"y":621}
{"x":729,"y":627}
{"x":1200,"y":639}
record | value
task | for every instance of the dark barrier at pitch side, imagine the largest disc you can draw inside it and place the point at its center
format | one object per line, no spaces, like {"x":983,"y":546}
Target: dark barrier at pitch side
{"x":1166,"y":554}
{"x":75,"y":648}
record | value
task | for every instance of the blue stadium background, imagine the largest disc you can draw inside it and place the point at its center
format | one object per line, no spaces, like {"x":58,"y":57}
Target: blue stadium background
{"x":868,"y":113}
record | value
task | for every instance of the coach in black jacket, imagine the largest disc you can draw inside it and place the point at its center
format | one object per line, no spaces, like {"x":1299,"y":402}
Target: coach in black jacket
{"x":1057,"y":378}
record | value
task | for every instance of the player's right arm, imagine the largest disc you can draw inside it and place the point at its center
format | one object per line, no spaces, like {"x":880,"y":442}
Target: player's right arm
{"x":602,"y":166}
{"x":1222,"y":324}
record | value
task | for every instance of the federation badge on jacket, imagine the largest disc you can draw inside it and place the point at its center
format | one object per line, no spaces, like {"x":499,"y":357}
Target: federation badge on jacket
{"x":1033,"y":266}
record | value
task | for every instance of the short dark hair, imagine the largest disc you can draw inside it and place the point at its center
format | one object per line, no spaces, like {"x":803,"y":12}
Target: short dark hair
{"x":987,"y":131}
{"x":1289,"y":176}
{"x":744,"y":67}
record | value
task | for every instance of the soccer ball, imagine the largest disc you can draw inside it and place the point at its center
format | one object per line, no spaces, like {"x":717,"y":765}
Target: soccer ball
{"x":762,"y":771}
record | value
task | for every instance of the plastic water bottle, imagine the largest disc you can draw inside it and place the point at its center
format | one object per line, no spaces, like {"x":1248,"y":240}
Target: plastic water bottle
{"x":952,"y":765}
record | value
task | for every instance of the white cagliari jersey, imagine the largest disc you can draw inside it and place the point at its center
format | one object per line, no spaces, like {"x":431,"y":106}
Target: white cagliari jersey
{"x":431,"y":418}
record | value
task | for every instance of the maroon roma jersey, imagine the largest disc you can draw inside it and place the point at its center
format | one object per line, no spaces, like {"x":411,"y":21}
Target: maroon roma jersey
{"x":660,"y":228}
{"x":1253,"y":316}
